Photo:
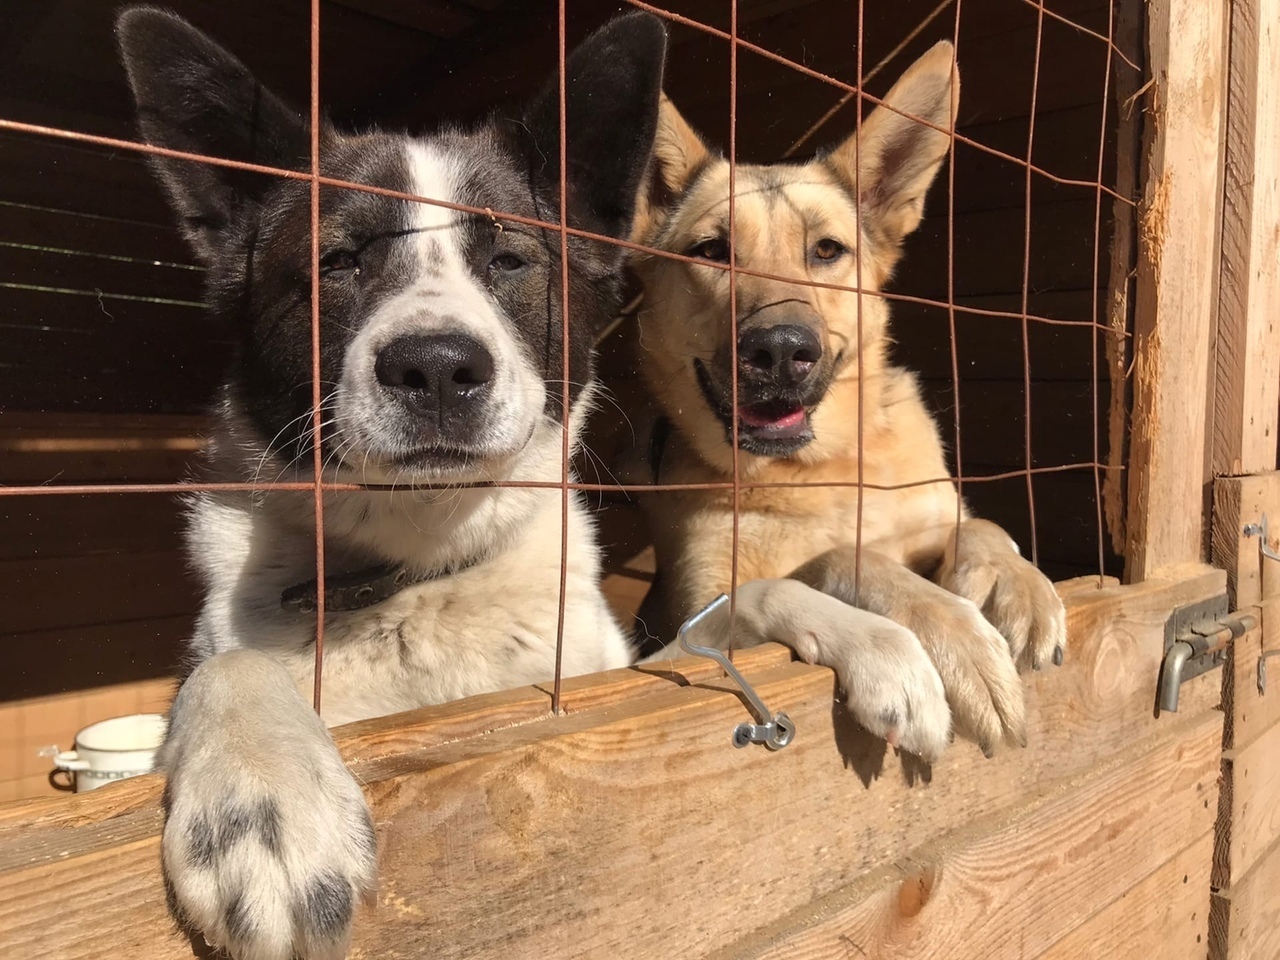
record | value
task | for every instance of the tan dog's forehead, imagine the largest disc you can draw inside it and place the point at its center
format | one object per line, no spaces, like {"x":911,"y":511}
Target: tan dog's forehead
{"x":780,"y":210}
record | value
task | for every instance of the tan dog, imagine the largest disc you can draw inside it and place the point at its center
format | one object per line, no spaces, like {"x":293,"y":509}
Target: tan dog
{"x":977,"y":607}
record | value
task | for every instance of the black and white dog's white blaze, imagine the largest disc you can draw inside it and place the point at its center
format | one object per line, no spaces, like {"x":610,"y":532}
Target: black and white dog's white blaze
{"x":441,"y":363}
{"x":438,"y":328}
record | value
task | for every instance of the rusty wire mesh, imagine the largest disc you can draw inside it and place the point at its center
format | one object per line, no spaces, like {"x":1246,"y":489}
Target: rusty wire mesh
{"x":1115,"y":59}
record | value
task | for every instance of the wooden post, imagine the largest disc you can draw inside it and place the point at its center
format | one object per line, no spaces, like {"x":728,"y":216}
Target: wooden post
{"x":1130,"y":17}
{"x":1246,"y":901}
{"x":1247,"y":379}
{"x":1176,"y":289}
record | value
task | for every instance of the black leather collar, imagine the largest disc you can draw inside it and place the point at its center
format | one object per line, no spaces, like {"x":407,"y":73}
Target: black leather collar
{"x":364,"y":588}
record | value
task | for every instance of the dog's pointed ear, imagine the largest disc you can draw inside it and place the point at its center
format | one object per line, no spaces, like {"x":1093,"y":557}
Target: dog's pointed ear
{"x":897,"y":156}
{"x":194,"y":96}
{"x":612,"y":84}
{"x":678,"y":155}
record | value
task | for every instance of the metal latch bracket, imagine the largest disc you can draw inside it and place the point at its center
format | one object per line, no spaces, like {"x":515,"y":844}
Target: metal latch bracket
{"x":1196,"y":638}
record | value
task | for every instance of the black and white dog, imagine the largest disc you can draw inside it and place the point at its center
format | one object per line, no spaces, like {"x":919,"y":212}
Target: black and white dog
{"x":441,"y":363}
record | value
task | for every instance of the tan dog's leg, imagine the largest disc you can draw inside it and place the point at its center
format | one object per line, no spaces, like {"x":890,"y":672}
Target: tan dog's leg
{"x":983,"y":564}
{"x":891,"y":686}
{"x":980,"y":678}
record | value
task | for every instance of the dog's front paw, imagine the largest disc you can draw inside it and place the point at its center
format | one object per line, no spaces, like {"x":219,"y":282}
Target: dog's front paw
{"x":980,"y":677}
{"x":890,"y":684}
{"x":268,"y":842}
{"x":1020,"y":601}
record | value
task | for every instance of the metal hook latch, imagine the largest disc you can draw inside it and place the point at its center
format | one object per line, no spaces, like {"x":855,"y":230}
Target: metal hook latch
{"x":774,"y":730}
{"x":1259,"y":530}
{"x":1262,"y":670}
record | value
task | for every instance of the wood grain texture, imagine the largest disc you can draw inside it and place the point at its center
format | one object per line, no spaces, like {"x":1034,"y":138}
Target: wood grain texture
{"x":1247,"y":379}
{"x":1160,"y":918}
{"x":1251,"y":795}
{"x":520,"y":833}
{"x":1244,"y":922}
{"x":1238,"y":501}
{"x":1130,"y":23}
{"x":1173,"y":321}
{"x":1249,"y":712}
{"x":985,"y":894}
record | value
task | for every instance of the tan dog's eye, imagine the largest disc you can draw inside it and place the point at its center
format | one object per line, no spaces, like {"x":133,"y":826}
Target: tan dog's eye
{"x":827,"y":250}
{"x":716,"y":250}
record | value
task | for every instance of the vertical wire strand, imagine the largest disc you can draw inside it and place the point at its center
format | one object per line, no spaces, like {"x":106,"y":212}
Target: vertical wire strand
{"x":951,"y":283}
{"x":1026,"y":290}
{"x":1093,"y":328}
{"x":733,"y":307}
{"x":316,"y":426}
{"x":564,"y":359}
{"x":871,"y":74}
{"x":857,"y":213}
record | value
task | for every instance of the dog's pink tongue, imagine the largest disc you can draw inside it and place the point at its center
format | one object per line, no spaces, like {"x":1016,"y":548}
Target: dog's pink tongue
{"x":761,"y":418}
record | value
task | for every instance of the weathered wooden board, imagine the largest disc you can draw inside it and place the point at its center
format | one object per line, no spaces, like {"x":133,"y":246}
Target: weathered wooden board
{"x":1251,"y":792}
{"x":984,"y":894}
{"x":30,"y":225}
{"x":1250,"y":712}
{"x":495,"y":819}
{"x":125,"y":273}
{"x":1238,"y":501}
{"x":1244,"y":922}
{"x":1247,"y":379}
{"x":101,"y":587}
{"x":1160,"y":918}
{"x":1129,"y":27}
{"x":62,"y":659}
{"x":66,"y":526}
{"x":1061,"y":250}
{"x":29,"y":725}
{"x":1177,"y":269}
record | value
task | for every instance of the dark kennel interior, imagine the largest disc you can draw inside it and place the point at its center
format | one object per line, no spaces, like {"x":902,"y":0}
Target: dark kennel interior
{"x":108,"y":361}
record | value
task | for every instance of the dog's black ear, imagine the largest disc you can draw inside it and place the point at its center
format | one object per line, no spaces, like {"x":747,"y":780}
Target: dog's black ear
{"x":897,"y":156}
{"x":612,"y":84}
{"x":194,"y":96}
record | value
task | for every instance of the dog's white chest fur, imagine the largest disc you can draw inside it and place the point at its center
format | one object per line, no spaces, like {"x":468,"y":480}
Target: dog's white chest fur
{"x":491,"y":626}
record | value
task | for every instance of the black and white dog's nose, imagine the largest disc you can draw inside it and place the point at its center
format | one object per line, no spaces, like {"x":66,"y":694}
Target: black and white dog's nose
{"x":434,"y":373}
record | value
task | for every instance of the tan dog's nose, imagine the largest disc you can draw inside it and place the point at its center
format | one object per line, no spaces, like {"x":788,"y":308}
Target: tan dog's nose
{"x":783,"y":354}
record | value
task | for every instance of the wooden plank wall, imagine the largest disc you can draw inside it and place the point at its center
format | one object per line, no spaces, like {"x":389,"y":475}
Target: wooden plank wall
{"x":28,"y":728}
{"x":1246,"y":904}
{"x":1245,"y":912}
{"x":506,"y":832}
{"x":1247,"y":376}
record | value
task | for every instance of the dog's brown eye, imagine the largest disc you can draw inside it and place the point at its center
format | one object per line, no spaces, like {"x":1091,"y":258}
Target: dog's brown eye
{"x":716,"y":250}
{"x":339,"y":261}
{"x":828,"y":249}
